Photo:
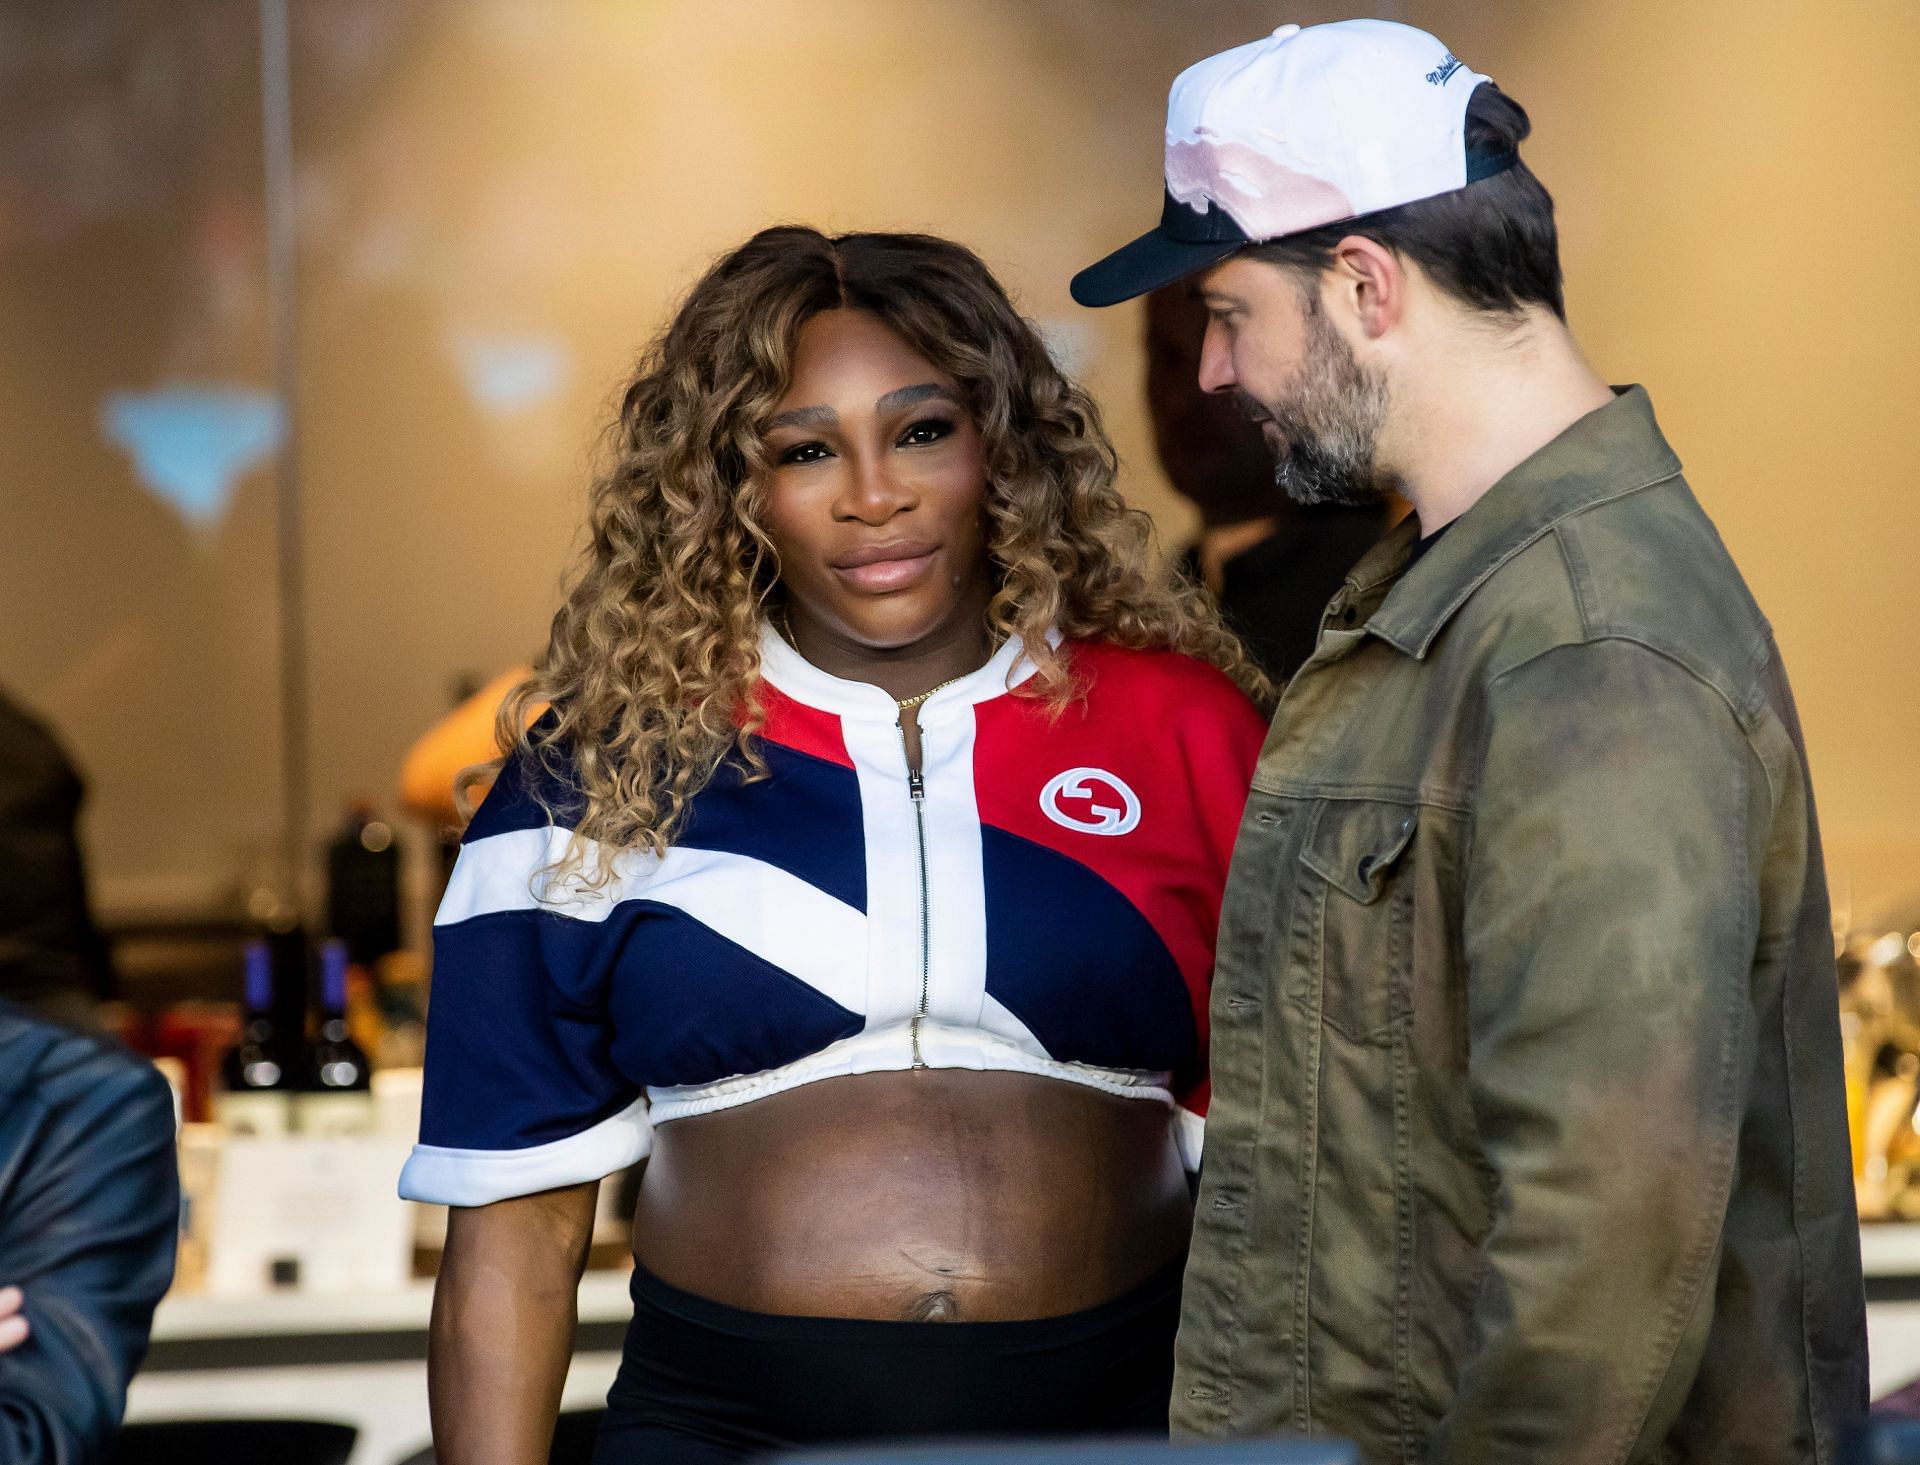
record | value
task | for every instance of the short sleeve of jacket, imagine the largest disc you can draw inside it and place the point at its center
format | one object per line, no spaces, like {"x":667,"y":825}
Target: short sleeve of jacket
{"x":522,"y":1094}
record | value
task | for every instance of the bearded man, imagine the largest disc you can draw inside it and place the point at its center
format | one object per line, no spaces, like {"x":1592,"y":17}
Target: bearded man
{"x":1528,"y":1140}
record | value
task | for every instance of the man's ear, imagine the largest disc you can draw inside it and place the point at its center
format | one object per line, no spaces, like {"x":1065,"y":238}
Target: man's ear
{"x":1368,"y":282}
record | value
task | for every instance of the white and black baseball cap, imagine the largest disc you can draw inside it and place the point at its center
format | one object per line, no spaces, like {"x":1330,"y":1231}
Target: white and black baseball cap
{"x":1307,"y":127}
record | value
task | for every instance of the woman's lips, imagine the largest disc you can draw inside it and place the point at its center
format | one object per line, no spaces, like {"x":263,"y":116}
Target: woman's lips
{"x":878,"y":576}
{"x":877,"y":568}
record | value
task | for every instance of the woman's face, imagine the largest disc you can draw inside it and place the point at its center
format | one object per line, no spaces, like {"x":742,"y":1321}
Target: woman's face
{"x":876,"y":499}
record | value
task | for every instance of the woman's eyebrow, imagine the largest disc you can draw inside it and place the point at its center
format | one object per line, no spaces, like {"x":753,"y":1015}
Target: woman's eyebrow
{"x":806,"y":417}
{"x":902,"y":397}
{"x":896,"y":400}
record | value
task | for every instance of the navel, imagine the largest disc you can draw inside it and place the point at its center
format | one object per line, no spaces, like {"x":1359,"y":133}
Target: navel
{"x":935,"y":1307}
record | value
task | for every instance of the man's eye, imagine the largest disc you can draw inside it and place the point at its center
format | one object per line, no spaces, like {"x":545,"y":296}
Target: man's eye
{"x":928,"y":430}
{"x":804,"y":453}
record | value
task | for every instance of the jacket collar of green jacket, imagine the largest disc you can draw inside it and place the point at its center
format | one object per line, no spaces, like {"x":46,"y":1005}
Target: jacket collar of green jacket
{"x":1613,"y":451}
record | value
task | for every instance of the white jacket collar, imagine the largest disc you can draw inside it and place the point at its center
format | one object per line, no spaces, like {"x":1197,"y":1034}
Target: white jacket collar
{"x":801,"y":680}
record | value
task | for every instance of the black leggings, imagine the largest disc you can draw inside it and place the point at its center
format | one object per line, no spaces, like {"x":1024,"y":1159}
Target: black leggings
{"x":701,"y":1382}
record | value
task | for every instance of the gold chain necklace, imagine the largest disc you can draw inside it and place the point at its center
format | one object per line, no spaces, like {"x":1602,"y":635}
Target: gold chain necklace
{"x":785,"y":627}
{"x":912,"y":702}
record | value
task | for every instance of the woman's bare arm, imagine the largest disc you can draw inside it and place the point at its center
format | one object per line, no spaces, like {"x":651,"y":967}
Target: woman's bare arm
{"x":503,"y":1320}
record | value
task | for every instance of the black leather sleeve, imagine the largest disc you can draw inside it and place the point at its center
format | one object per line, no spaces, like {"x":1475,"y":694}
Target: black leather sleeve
{"x":89,"y":1215}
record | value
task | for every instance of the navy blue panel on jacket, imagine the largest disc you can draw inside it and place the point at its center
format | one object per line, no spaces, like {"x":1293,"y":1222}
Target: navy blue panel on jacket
{"x":554,"y":1078}
{"x":686,"y":1004}
{"x":510,"y":804}
{"x":698,"y":1005}
{"x":1077,"y":962}
{"x":804,"y":819}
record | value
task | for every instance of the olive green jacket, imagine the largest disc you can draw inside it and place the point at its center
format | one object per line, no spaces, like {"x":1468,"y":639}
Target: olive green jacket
{"x":1528,"y":1141}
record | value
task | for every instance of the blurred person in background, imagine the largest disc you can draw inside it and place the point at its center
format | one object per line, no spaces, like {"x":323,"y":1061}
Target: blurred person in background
{"x":1273,"y":564}
{"x":53,"y":960}
{"x":864,"y":874}
{"x":89,"y":1215}
{"x":1547,"y":1158}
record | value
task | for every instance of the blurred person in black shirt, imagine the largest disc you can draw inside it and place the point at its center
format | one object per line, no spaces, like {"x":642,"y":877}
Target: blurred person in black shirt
{"x":53,"y":961}
{"x":1272,"y":564}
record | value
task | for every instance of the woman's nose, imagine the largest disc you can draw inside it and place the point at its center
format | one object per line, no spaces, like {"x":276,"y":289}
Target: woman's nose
{"x":875,"y":492}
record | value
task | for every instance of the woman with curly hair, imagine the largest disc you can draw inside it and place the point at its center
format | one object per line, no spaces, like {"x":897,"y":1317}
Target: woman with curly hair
{"x":863,"y":875}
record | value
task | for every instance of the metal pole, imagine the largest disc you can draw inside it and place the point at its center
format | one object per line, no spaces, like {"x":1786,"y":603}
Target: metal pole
{"x":277,"y":137}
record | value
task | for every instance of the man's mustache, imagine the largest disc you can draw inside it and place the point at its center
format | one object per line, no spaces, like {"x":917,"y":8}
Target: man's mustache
{"x":1249,"y":408}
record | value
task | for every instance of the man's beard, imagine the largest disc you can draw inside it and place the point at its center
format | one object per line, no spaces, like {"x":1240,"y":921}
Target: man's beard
{"x":1330,"y":422}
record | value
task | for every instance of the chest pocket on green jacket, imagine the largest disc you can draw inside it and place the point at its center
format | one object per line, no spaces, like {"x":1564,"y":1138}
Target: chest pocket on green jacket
{"x":1358,"y":857}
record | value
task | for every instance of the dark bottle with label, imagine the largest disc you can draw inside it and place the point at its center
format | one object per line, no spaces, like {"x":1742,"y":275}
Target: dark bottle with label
{"x":335,"y":1094}
{"x":363,"y":885}
{"x":256,"y":1085}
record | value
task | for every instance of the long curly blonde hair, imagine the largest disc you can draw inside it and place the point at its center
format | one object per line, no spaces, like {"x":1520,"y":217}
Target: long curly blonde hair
{"x":652,"y":669}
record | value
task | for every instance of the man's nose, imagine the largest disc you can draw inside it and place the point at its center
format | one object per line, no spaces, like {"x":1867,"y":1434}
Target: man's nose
{"x":1216,"y":360}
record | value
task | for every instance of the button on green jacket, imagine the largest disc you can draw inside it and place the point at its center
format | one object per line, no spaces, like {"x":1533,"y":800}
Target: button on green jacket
{"x":1528,"y":1140}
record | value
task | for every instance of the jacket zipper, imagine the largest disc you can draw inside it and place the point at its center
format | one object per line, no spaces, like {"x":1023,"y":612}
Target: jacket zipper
{"x":917,"y":793}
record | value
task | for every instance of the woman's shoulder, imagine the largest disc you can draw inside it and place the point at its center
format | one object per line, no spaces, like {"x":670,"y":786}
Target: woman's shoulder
{"x":1170,"y":683}
{"x":537,"y":784}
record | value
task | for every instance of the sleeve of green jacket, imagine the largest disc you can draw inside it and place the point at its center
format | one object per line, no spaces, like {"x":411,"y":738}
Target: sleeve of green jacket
{"x":1610,"y":922}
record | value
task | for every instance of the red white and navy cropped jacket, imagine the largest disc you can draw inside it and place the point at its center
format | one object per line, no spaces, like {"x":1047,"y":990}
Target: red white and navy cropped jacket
{"x":1043,"y":899}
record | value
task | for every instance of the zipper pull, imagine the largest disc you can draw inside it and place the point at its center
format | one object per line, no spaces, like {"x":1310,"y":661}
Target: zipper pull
{"x":916,"y":784}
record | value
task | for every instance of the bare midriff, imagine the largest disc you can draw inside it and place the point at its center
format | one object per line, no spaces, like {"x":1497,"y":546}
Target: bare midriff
{"x":919,"y":1195}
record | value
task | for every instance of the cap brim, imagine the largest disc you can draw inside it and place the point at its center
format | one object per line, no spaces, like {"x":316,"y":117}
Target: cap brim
{"x":1149,"y":262}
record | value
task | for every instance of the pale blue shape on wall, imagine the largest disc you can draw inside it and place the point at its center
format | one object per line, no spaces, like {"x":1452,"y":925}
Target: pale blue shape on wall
{"x":192,"y":442}
{"x":508,"y":373}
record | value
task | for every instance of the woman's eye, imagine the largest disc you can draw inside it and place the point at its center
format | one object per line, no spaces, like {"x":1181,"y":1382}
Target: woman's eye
{"x":929,"y":430}
{"x":803,"y":453}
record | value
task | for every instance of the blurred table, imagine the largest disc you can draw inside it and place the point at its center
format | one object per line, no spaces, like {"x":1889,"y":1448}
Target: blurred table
{"x":357,"y":1359}
{"x":1890,"y":1255}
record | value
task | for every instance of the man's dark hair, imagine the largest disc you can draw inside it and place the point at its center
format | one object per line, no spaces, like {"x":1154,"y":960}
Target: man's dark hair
{"x":1491,"y":244}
